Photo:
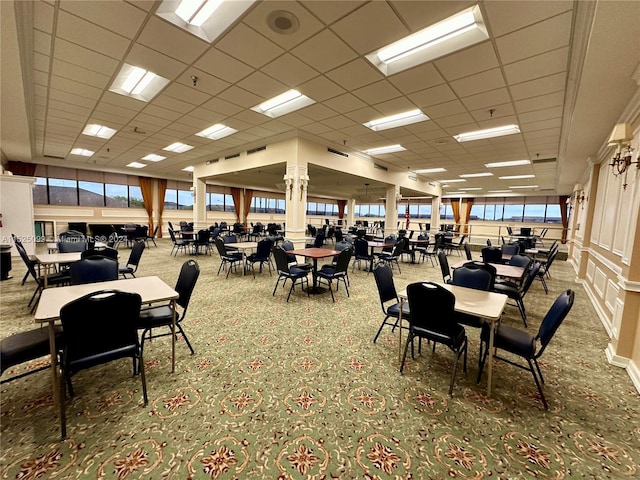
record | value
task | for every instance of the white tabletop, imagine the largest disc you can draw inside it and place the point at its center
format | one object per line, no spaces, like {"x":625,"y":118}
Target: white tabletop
{"x":151,"y":289}
{"x":502,"y":270}
{"x":242,"y":245}
{"x":50,"y":258}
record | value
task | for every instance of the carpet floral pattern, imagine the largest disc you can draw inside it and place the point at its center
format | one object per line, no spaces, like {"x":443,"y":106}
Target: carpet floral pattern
{"x":298,"y":391}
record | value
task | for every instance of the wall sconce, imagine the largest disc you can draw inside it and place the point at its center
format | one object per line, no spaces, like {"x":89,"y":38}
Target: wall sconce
{"x":398,"y":197}
{"x":621,"y":161}
{"x":578,"y":194}
{"x":304,"y":184}
{"x":193,"y":192}
{"x":288,"y":181}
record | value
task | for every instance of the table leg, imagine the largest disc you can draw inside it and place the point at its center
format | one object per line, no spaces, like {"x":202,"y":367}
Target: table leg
{"x":55,"y":380}
{"x":173,"y":337}
{"x":490,"y":360}
{"x":400,"y":331}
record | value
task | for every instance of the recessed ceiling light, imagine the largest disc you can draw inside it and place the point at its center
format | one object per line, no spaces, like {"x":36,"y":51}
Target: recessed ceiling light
{"x":387,"y":149}
{"x":188,"y":169}
{"x":510,"y":163}
{"x":138,"y":83}
{"x":196,"y":12}
{"x":453,"y":180}
{"x":523,"y":186}
{"x":137,"y":165}
{"x":499,"y":191}
{"x":398,"y":120}
{"x":82,"y":151}
{"x":473,"y":175}
{"x":514,"y":177}
{"x":178,"y":147}
{"x":451,"y":34}
{"x":487,"y":133}
{"x":470,"y":188}
{"x":217,"y":131}
{"x":152,"y":157}
{"x":431,"y":170}
{"x":94,"y":130}
{"x":287,"y":102}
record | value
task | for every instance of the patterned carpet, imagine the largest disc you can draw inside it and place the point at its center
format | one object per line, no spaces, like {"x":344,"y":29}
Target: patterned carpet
{"x":298,"y":390}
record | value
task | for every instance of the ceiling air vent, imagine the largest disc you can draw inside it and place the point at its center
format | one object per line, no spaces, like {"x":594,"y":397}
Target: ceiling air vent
{"x":257,"y":149}
{"x":209,"y":162}
{"x":54,"y":156}
{"x":543,"y":160}
{"x":336,"y":152}
{"x":380,"y":167}
{"x":235,"y":155}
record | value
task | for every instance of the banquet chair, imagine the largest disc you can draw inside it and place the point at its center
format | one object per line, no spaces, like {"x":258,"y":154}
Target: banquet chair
{"x":444,"y":266}
{"x":433,"y":253}
{"x":107,"y":252}
{"x":394,"y":255}
{"x":23,"y":347}
{"x":177,"y":244}
{"x":361,"y":253}
{"x":544,"y":269}
{"x":387,"y":293}
{"x":93,"y":269}
{"x":340,"y":271}
{"x":153,"y":236}
{"x":517,"y":293}
{"x":261,"y":256}
{"x":467,"y":251}
{"x":432,"y":317}
{"x":292,"y":260}
{"x":162,"y":315}
{"x":491,"y":255}
{"x":202,"y":241}
{"x":473,"y":276}
{"x":134,"y":260}
{"x":525,"y":345}
{"x":96,"y":329}
{"x":231,"y":258}
{"x":285,"y":272}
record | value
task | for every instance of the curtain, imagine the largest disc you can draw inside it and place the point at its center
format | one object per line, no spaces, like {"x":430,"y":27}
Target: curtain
{"x":341,"y":205}
{"x":562,"y":200}
{"x":235,"y":195}
{"x":467,"y":215}
{"x":162,"y":188}
{"x":19,"y":168}
{"x":455,"y":206}
{"x":146,"y":187}
{"x":248,"y":195}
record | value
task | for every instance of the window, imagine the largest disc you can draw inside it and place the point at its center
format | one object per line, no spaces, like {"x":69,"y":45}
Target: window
{"x":553,"y":213}
{"x":534,"y":213}
{"x":424,"y":211}
{"x":63,"y":192}
{"x":228,"y":203}
{"x":40,"y":195}
{"x":91,"y":194}
{"x":446,"y":212}
{"x":185,"y":200}
{"x":116,"y":195}
{"x":513,"y":213}
{"x":477,"y":212}
{"x":135,"y":197}
{"x":171,"y":200}
{"x":215,"y":202}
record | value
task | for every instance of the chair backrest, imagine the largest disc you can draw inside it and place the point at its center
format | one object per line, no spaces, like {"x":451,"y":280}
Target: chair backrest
{"x":432,"y":308}
{"x":487,"y":267}
{"x":99,"y":327}
{"x":554,"y":318}
{"x":399,"y":247}
{"x":531,"y":275}
{"x":171,"y":226}
{"x":69,"y":245}
{"x":520,"y":261}
{"x":136,"y":253}
{"x":72,"y":236}
{"x":552,"y":257}
{"x":491,"y":255}
{"x":444,"y":265}
{"x":319,"y":241}
{"x":263,"y":250}
{"x":340,"y":246}
{"x":93,"y":269}
{"x":189,"y":273}
{"x":338,"y":235}
{"x":230,"y":238}
{"x":25,"y":257}
{"x":384,"y":281}
{"x":476,"y":278}
{"x":219,"y":243}
{"x":172,"y":234}
{"x":280,"y":256}
{"x":203,"y":237}
{"x":100,"y":252}
{"x":509,"y":230}
{"x":510,"y":248}
{"x":488,"y":242}
{"x":342,"y":263}
{"x":467,"y":251}
{"x":361,"y":247}
{"x":288,"y":246}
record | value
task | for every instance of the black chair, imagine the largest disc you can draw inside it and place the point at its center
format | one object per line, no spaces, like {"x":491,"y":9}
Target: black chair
{"x":488,"y":242}
{"x":32,"y":259}
{"x":431,"y":254}
{"x":391,"y":258}
{"x":202,"y":241}
{"x":510,"y":248}
{"x":467,"y":251}
{"x":98,"y":328}
{"x":491,"y":255}
{"x":544,"y":269}
{"x":387,"y":293}
{"x":69,"y":246}
{"x":107,"y":252}
{"x":518,"y":293}
{"x":432,"y":317}
{"x":318,"y":241}
{"x":153,"y":236}
{"x":134,"y":260}
{"x":472,"y":276}
{"x":230,"y":258}
{"x":525,"y":345}
{"x":285,"y":272}
{"x":261,"y":256}
{"x":444,"y":266}
{"x":361,"y":253}
{"x":177,"y":244}
{"x":487,"y":267}
{"x":23,"y":347}
{"x":257,"y":231}
{"x":292,"y":260}
{"x":330,"y":273}
{"x":162,"y":316}
{"x":457,"y":247}
{"x":93,"y":269}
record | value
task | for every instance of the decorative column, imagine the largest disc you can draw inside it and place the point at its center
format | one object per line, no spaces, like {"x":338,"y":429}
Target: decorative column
{"x":435,"y":213}
{"x":351,"y":210}
{"x":199,"y":191}
{"x":391,"y":210}
{"x":296,"y":180}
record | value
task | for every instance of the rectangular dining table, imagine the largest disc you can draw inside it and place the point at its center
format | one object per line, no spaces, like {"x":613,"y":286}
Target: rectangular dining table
{"x":315,"y":254}
{"x":151,"y":289}
{"x":242,"y":247}
{"x":372,"y":246}
{"x":502,"y":270}
{"x":479,"y":303}
{"x":49,"y":260}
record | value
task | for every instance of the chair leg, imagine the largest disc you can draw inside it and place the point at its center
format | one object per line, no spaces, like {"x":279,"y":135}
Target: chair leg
{"x":186,"y":339}
{"x":406,"y":347}
{"x":523,"y":314}
{"x":535,"y":377}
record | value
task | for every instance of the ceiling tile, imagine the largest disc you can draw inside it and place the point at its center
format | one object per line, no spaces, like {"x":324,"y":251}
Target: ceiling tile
{"x":91,"y":36}
{"x":261,"y":85}
{"x":241,"y":97}
{"x":345,"y":103}
{"x":363,"y":115}
{"x":324,"y":51}
{"x":338,"y":122}
{"x":395,"y":105}
{"x":41,"y":42}
{"x":78,"y":55}
{"x":43,"y":17}
{"x":432,"y":96}
{"x":540,"y":102}
{"x":79,"y":74}
{"x":163,"y":65}
{"x":119,"y":17}
{"x":320,"y":89}
{"x":186,"y":94}
{"x":289,"y":70}
{"x":481,"y":82}
{"x":248,"y":46}
{"x":445,"y":109}
{"x":419,"y":15}
{"x":355,"y":74}
{"x":540,"y":86}
{"x":486,"y":99}
{"x":223,"y":66}
{"x":71,"y":86}
{"x":205,"y":83}
{"x":500,"y":112}
{"x":468,"y":62}
{"x":377,"y":92}
{"x":455,"y":120}
{"x":505,"y":17}
{"x":536,"y":67}
{"x":222,"y":106}
{"x":318,"y":112}
{"x":173,"y":42}
{"x":418,"y":78}
{"x":329,"y":11}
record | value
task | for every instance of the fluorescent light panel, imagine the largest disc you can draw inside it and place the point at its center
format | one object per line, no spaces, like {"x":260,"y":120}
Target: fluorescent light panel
{"x":510,"y":163}
{"x":100,"y":131}
{"x":523,"y":186}
{"x":453,"y":180}
{"x":217,"y":131}
{"x":152,"y":157}
{"x":287,"y":102}
{"x":499,"y":191}
{"x":136,"y":165}
{"x":515,"y":177}
{"x":387,"y":149}
{"x":470,"y":188}
{"x":188,"y":169}
{"x":451,"y":34}
{"x":82,"y":151}
{"x":196,"y":12}
{"x":178,"y":147}
{"x":138,"y":83}
{"x":398,"y":120}
{"x":432,"y":170}
{"x":487,"y":133}
{"x":474,"y":175}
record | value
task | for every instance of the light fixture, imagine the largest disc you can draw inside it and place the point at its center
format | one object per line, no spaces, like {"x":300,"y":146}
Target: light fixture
{"x":516,"y":177}
{"x":217,"y":131}
{"x":487,"y":133}
{"x":454,"y":33}
{"x":82,"y":151}
{"x":475,"y":175}
{"x":398,"y":120}
{"x":387,"y":149}
{"x":178,"y":147}
{"x":578,"y":193}
{"x":499,"y":191}
{"x":469,"y":188}
{"x":453,"y":180}
{"x":523,"y":186}
{"x":621,"y":161}
{"x":198,"y":11}
{"x":138,"y":83}
{"x":304,"y":184}
{"x":432,"y":170}
{"x":100,"y":131}
{"x":510,"y":163}
{"x":136,"y":165}
{"x":287,"y":102}
{"x":152,"y":157}
{"x":188,"y":169}
{"x":288,"y":181}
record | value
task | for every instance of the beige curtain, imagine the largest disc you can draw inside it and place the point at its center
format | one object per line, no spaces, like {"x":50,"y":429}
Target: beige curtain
{"x":562,"y":200}
{"x":162,"y":188}
{"x":467,"y":215}
{"x":341,"y":206}
{"x":146,"y":187}
{"x":455,"y":206}
{"x":236,"y":194}
{"x":248,"y":195}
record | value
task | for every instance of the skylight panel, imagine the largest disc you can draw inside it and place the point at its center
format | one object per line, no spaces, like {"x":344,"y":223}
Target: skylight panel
{"x":82,"y":152}
{"x":152,"y":157}
{"x":136,"y":165}
{"x":100,"y":131}
{"x":138,"y":83}
{"x":217,"y":131}
{"x":178,"y":147}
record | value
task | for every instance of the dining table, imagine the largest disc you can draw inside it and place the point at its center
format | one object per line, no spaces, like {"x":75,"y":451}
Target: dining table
{"x":479,"y":303}
{"x":315,"y":254}
{"x":243,"y":247}
{"x":373,"y":244}
{"x":502,"y":270}
{"x":50,"y":260}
